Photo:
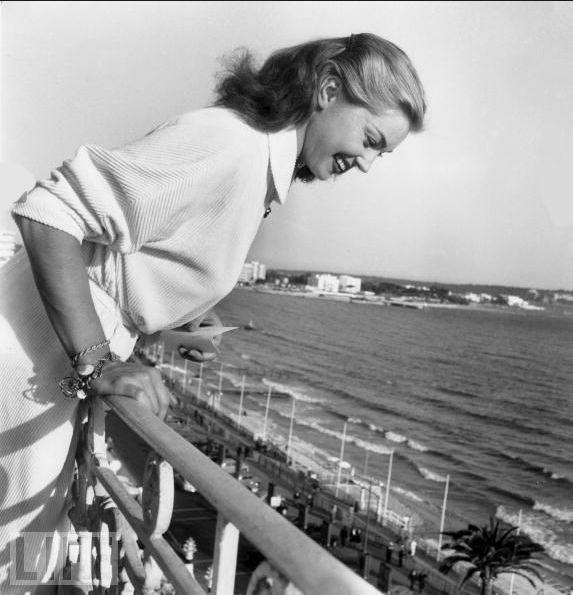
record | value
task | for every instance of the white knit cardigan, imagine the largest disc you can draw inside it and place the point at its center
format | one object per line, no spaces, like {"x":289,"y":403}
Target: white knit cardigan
{"x":166,"y":222}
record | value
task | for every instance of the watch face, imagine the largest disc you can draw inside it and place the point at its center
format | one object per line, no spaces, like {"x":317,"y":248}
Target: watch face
{"x":84,"y":370}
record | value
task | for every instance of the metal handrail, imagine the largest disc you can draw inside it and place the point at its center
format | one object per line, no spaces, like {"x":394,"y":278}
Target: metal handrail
{"x":307,"y":565}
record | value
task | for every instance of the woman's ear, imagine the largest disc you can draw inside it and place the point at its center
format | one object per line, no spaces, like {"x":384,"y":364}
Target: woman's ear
{"x":328,"y":92}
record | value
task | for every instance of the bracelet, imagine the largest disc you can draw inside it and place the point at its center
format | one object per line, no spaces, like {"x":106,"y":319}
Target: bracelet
{"x":77,"y":386}
{"x":87,"y":350}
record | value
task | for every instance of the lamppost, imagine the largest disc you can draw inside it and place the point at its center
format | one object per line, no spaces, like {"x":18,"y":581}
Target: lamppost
{"x":241,"y":401}
{"x":365,"y":563}
{"x":267,"y":414}
{"x":341,"y":458}
{"x":291,"y":427}
{"x":386,"y":496}
{"x":443,"y":517}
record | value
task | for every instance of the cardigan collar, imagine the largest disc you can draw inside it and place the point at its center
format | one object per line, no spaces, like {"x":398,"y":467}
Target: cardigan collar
{"x":282,"y":152}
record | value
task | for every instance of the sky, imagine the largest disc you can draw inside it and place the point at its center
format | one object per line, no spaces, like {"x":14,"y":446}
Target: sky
{"x":483,"y":195}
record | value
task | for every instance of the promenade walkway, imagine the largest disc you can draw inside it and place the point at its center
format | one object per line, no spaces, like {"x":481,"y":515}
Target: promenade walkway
{"x":193,"y":419}
{"x":202,"y":425}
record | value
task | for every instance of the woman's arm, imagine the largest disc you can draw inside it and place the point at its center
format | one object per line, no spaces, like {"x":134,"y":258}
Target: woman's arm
{"x":62,"y":281}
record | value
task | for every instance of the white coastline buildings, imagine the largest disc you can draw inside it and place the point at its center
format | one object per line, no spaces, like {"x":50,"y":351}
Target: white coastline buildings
{"x":350,"y":284}
{"x":323,"y":282}
{"x":334,"y":284}
{"x":252,"y":272}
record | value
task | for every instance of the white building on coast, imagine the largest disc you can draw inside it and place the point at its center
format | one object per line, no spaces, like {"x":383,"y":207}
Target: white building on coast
{"x":252,"y":272}
{"x":323,"y":282}
{"x":350,"y":284}
{"x":326,"y":283}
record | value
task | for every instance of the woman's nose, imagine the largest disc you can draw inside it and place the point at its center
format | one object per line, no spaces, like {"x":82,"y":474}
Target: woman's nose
{"x":365,"y":161}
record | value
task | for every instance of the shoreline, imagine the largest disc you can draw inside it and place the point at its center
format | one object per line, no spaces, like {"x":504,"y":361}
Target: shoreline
{"x":305,"y":460}
{"x":415,"y":304}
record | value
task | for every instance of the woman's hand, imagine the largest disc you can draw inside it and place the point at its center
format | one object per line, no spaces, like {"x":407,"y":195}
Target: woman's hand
{"x":136,"y":381}
{"x":210,"y":318}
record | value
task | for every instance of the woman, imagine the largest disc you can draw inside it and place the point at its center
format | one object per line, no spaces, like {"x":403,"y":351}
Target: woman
{"x":150,"y":236}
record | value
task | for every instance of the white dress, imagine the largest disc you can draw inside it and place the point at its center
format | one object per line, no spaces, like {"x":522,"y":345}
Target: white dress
{"x":37,"y":428}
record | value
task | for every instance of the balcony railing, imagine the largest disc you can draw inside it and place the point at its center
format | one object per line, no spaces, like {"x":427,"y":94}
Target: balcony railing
{"x":120,"y":546}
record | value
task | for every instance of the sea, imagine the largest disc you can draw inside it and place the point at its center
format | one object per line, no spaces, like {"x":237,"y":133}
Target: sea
{"x":478,"y":400}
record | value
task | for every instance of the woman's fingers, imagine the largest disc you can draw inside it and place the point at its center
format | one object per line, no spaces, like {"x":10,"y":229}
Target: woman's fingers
{"x":166,"y":399}
{"x":142,"y":383}
{"x":194,"y":355}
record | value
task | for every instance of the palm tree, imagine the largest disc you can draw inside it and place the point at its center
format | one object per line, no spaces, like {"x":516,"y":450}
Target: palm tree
{"x":489,"y":551}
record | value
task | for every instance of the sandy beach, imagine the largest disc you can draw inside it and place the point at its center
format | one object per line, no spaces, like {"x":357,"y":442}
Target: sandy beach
{"x":213,"y":387}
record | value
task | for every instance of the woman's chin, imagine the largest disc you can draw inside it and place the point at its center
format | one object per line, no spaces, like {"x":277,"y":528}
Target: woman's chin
{"x":324,"y":174}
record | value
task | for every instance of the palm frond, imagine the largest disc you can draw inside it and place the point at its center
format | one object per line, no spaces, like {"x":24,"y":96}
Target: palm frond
{"x":468,"y":575}
{"x":490,"y":550}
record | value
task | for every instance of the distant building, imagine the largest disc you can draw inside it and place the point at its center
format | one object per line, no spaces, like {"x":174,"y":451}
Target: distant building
{"x":252,"y":272}
{"x":473,"y":297}
{"x":563,"y":297}
{"x":349,"y":284}
{"x":324,"y":282}
{"x":8,"y":246}
{"x":514,"y":300}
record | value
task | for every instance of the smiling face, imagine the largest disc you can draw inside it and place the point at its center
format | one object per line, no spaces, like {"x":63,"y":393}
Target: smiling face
{"x":340,"y":135}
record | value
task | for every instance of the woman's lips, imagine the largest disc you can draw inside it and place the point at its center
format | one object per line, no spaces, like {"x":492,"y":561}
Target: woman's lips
{"x":340,"y":164}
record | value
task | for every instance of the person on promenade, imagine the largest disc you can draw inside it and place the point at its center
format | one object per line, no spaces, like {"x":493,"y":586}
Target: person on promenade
{"x":389,"y":551}
{"x":128,"y":242}
{"x":401,"y":553}
{"x":413,"y":546}
{"x":413,"y":577}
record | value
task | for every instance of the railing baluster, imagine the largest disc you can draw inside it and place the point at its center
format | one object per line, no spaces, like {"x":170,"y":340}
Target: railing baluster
{"x":169,"y":562}
{"x":225,"y":561}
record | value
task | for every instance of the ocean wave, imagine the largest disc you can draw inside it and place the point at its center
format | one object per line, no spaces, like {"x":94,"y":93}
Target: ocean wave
{"x":558,"y":513}
{"x":355,"y":420}
{"x":534,"y":467}
{"x":536,"y":528}
{"x":431,"y":475}
{"x":512,"y":495}
{"x":416,"y":445}
{"x":364,"y":444}
{"x":293,"y":392}
{"x":327,"y":431}
{"x":407,"y":493}
{"x":360,"y":422}
{"x":395,"y":437}
{"x":389,"y":435}
{"x":371,"y":446}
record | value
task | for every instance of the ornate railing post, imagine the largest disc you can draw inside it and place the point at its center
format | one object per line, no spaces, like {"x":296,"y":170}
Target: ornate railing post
{"x":100,"y":524}
{"x":157,"y":505}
